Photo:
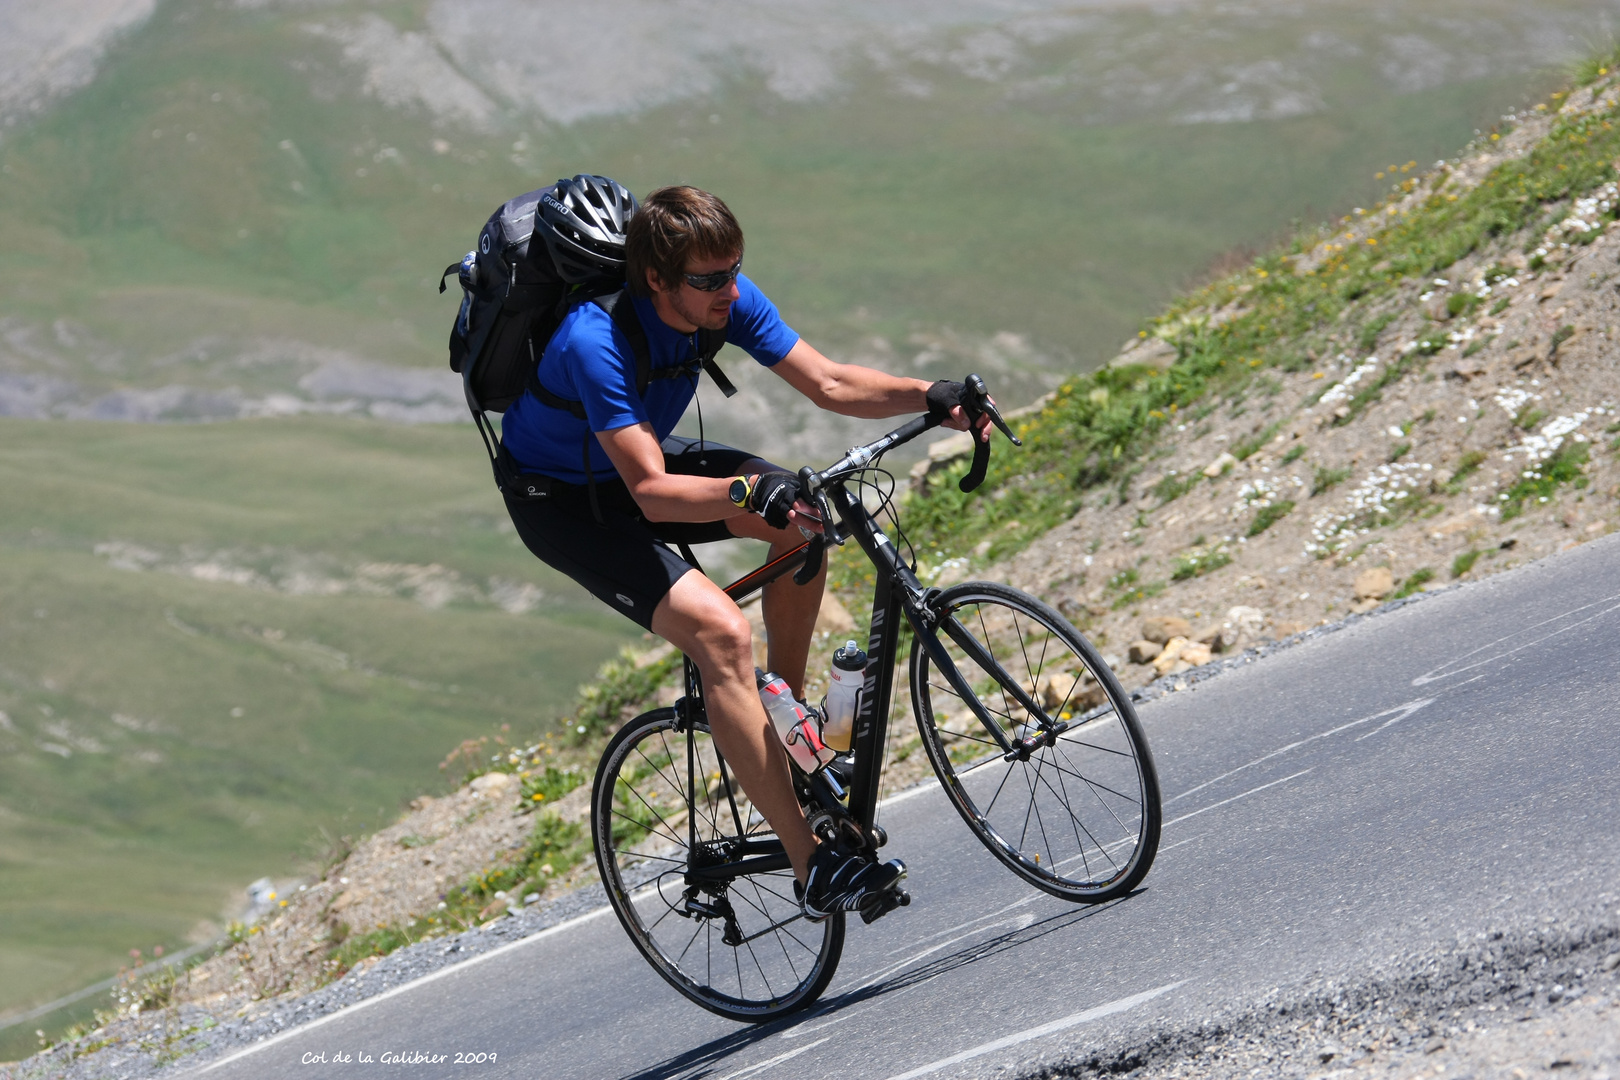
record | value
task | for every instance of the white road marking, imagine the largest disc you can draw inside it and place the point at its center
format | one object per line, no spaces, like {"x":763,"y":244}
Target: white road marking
{"x":1457,"y":667}
{"x":1052,"y":1028}
{"x":963,"y":926}
{"x":350,"y":1010}
{"x":777,"y":1060}
{"x":1178,"y":843}
{"x":1404,"y":710}
{"x":1235,"y":798}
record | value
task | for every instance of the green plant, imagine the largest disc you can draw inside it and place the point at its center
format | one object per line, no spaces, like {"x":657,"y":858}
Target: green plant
{"x":1414,"y":583}
{"x":1529,"y":417}
{"x":1399,"y":450}
{"x":1247,"y":448}
{"x":1138,"y":593}
{"x":1269,"y":516}
{"x":1541,"y":480}
{"x":1293,"y":455}
{"x":1372,"y":328}
{"x":1326,"y":478}
{"x":1466,"y":466}
{"x":1501,"y":305}
{"x":549,"y":784}
{"x":1197,"y":565}
{"x":620,"y":685}
{"x":1173,"y":485}
{"x":1457,"y":303}
{"x":1561,"y":335}
{"x":1465,"y":562}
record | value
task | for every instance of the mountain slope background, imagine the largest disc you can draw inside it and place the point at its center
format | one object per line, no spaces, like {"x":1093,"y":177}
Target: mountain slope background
{"x":255,"y":630}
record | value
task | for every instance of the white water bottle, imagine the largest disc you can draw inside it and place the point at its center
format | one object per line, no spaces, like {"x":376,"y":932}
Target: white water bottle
{"x":844,"y":682}
{"x":798,"y":727}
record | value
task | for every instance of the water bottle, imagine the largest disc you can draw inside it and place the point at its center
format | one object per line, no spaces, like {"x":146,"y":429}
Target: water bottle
{"x":844,"y":684}
{"x":798,"y":727}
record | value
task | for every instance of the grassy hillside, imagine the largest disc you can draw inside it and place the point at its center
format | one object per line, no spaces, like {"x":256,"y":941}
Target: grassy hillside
{"x":218,"y":640}
{"x":224,"y":209}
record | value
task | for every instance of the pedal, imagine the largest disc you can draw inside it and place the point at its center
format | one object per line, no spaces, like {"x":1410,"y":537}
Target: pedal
{"x":880,"y":904}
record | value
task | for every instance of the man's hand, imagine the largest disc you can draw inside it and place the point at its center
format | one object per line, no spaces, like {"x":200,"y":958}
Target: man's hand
{"x":947,"y":400}
{"x":774,"y":498}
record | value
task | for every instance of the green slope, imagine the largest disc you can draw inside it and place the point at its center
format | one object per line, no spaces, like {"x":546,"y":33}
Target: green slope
{"x":225,"y":182}
{"x":170,"y":737}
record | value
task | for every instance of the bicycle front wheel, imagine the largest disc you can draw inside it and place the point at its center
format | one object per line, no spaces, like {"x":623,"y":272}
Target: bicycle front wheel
{"x":1054,"y":777}
{"x":665,"y":802}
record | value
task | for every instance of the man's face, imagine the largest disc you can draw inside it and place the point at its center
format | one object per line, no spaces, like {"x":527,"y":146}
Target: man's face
{"x":694,"y":308}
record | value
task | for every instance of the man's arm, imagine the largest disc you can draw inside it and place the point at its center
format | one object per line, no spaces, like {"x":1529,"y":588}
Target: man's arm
{"x":853,"y":390}
{"x":662,"y":496}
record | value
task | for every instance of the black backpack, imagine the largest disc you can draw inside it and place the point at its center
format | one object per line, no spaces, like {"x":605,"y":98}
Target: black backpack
{"x":513,"y":300}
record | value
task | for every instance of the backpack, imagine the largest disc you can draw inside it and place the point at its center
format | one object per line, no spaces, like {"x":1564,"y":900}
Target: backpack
{"x":513,"y":300}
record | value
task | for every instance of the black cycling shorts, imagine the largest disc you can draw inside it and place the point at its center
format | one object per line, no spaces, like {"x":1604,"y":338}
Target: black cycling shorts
{"x":628,"y":564}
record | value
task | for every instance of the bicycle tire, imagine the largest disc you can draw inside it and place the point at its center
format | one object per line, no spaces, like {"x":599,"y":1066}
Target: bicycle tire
{"x":641,"y":809}
{"x":1079,"y":816}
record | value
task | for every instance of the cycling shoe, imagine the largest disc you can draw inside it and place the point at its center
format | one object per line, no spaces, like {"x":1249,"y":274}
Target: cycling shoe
{"x":840,"y":882}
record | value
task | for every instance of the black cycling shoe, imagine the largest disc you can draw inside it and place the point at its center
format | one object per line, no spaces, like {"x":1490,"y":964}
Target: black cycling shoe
{"x":840,"y":882}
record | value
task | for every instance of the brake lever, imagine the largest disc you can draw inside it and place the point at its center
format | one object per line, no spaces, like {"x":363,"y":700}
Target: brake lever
{"x":988,"y":408}
{"x":981,"y":404}
{"x":812,"y":561}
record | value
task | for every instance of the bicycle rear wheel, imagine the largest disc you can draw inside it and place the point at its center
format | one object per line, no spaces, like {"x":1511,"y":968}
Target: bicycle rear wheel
{"x":664,"y":801}
{"x":1075,"y":809}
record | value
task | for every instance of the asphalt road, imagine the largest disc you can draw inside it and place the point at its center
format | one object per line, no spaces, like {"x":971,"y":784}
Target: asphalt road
{"x":1415,"y":778}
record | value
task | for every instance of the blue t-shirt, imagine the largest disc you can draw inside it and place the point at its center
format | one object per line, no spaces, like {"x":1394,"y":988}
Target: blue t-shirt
{"x":589,"y":360}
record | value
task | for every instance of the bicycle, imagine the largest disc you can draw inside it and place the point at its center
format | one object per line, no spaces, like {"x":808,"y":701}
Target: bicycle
{"x":1046,"y":763}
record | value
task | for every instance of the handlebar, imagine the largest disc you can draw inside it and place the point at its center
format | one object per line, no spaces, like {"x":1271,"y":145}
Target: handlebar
{"x":814,"y":484}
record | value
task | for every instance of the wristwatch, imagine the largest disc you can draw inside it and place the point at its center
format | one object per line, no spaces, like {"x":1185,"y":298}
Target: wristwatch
{"x":739,"y":491}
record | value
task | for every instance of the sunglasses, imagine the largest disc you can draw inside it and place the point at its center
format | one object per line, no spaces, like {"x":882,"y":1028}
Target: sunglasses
{"x":716,"y":281}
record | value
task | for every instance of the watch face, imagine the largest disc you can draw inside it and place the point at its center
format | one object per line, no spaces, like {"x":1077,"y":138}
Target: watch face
{"x":739,"y":491}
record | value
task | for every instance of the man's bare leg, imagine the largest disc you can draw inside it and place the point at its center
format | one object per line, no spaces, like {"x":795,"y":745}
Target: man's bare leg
{"x":698,"y":618}
{"x":790,"y":610}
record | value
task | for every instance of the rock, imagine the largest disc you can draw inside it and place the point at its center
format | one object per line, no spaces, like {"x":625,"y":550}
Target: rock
{"x":1144,"y":651}
{"x":1053,"y":690}
{"x":1290,"y":628}
{"x":1247,"y":621}
{"x":1219,"y":465}
{"x":1161,"y":628}
{"x":1471,"y":368}
{"x":1165,"y":662}
{"x":1152,"y":352}
{"x":1218,"y":636}
{"x":1374,"y":582}
{"x":1611,"y":961}
{"x":1434,"y":1046}
{"x":1361,"y":607}
{"x":491,"y":783}
{"x":1195,"y":653}
{"x":833,"y":618}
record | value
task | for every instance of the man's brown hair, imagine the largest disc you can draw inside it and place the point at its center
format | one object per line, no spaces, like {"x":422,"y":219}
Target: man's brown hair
{"x":672,"y":227}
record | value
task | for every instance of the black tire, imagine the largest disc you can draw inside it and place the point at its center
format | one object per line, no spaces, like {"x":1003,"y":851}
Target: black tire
{"x":1079,"y":815}
{"x":641,"y":810}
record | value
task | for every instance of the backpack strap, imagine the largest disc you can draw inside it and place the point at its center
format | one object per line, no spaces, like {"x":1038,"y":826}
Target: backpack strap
{"x":622,"y":311}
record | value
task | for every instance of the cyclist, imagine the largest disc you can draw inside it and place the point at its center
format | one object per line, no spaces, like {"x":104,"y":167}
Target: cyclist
{"x":683,"y":254}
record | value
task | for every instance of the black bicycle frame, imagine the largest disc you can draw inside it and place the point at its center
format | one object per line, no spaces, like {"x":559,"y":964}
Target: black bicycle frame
{"x":898,"y":594}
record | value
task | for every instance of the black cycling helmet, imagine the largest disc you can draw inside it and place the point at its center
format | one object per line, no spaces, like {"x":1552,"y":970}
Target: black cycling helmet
{"x":583,"y":222}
